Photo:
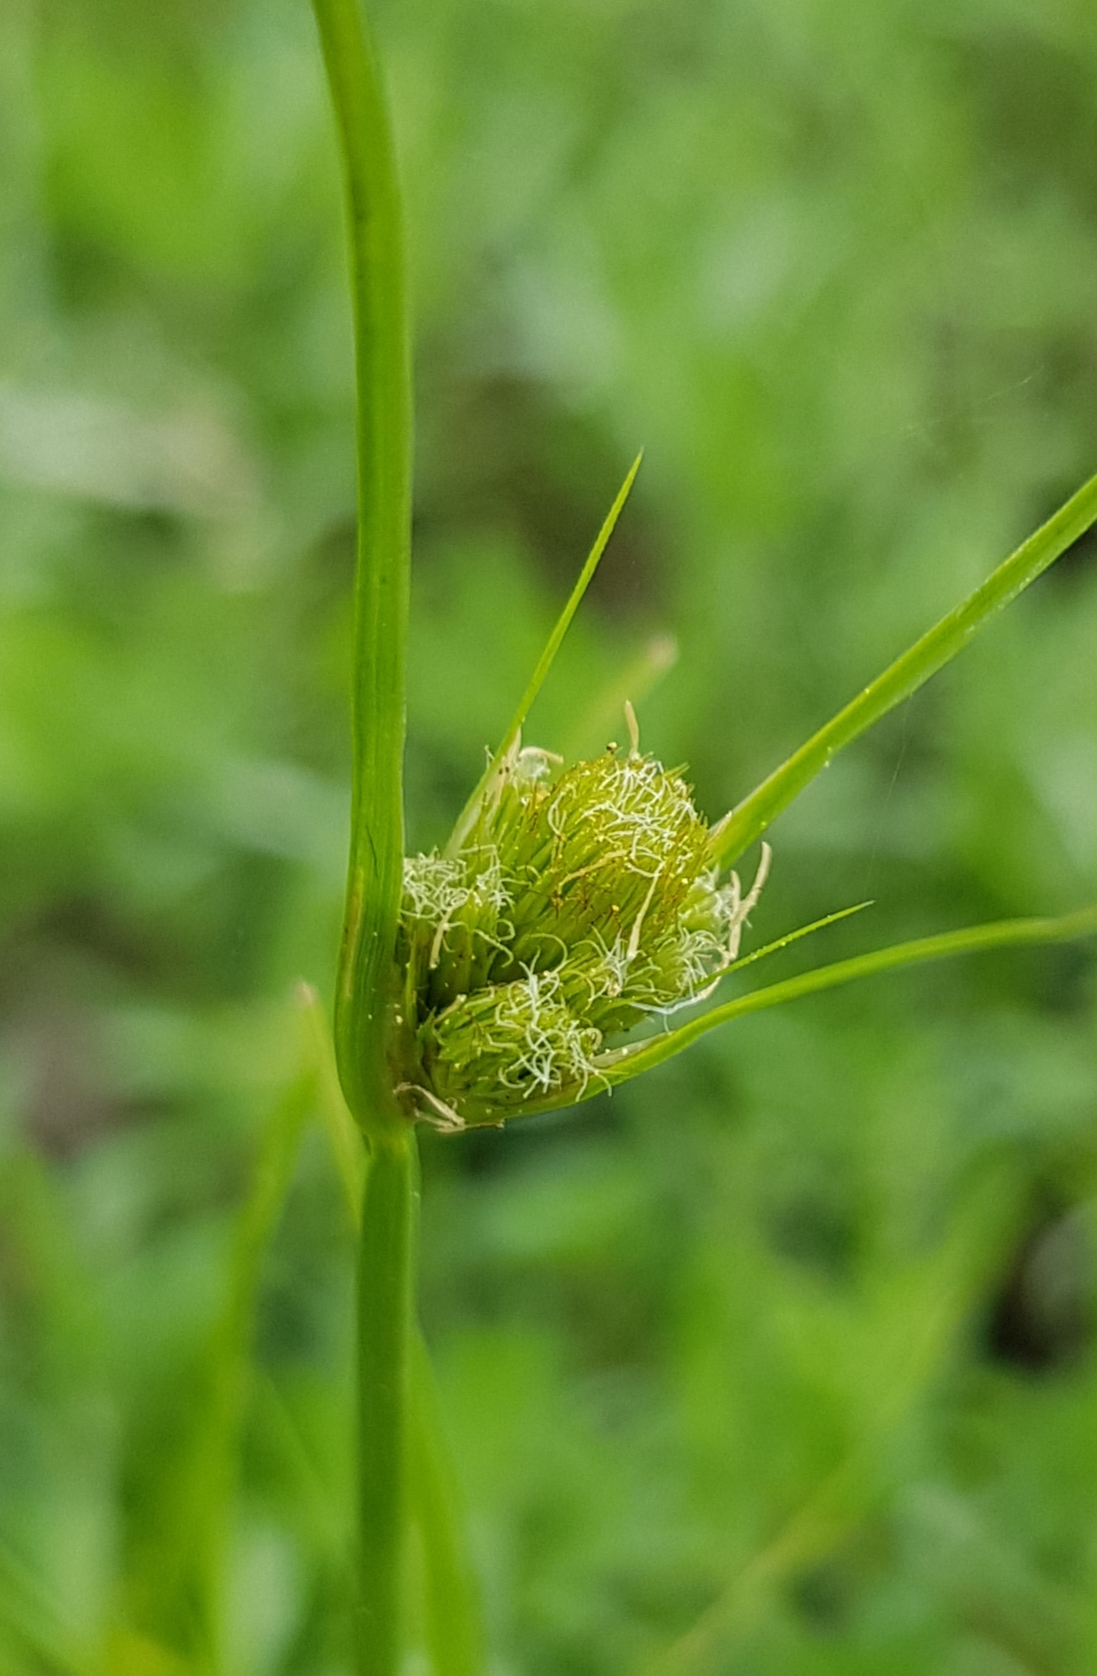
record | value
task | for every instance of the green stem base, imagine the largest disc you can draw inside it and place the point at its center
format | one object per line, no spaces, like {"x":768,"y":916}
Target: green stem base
{"x":386,"y":1274}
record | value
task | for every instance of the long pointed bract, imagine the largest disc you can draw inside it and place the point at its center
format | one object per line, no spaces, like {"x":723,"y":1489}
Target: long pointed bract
{"x":790,"y":937}
{"x":544,"y":662}
{"x":630,"y":1061}
{"x":745,"y":823}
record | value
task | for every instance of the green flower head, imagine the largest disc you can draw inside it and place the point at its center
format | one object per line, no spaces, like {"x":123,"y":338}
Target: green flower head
{"x":580,"y":901}
{"x":572,"y":904}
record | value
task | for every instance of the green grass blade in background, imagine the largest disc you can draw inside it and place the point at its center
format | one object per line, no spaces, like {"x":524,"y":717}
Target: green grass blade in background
{"x":739,"y":829}
{"x":630,"y":1061}
{"x":544,"y":662}
{"x":455,"y":1634}
{"x":176,"y":1589}
{"x":376,"y":238}
{"x":913,"y":1313}
{"x":46,"y":1628}
{"x":595,"y":726}
{"x":31,"y":1640}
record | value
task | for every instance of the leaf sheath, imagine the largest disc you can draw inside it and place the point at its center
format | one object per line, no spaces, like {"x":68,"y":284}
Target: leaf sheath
{"x":382,"y":360}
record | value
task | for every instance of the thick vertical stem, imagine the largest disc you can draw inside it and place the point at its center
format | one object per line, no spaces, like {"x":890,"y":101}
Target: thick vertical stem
{"x":386,"y":1281}
{"x":374,"y":877}
{"x":382,"y":362}
{"x":364,"y":986}
{"x":453,"y":1617}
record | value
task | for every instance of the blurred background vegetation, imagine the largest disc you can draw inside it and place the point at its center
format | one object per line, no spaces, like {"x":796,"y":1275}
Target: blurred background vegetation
{"x":781,"y":1361}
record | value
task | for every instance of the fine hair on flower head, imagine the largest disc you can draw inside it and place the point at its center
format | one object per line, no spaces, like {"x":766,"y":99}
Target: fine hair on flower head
{"x":580,"y":900}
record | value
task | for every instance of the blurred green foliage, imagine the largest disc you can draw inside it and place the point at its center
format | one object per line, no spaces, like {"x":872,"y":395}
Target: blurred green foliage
{"x":782,"y":1360}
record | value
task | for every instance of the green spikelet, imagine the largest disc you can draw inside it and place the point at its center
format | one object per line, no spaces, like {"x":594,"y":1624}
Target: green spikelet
{"x":579,"y":902}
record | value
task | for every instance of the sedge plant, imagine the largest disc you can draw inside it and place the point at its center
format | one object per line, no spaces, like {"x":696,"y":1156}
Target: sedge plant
{"x":546,"y":953}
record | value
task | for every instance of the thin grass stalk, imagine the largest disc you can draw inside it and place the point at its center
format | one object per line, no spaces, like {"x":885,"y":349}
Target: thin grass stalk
{"x":212,"y":1464}
{"x":365,"y":978}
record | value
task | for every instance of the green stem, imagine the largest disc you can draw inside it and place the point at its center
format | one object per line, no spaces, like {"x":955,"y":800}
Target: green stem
{"x":366,"y":978}
{"x":386,"y":1282}
{"x":454,"y":1632}
{"x":738,"y":830}
{"x":378,"y":289}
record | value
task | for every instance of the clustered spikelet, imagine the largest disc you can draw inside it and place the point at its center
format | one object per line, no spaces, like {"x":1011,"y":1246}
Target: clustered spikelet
{"x":579,"y":902}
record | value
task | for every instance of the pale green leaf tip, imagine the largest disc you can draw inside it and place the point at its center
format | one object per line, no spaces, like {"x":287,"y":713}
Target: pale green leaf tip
{"x":791,"y":937}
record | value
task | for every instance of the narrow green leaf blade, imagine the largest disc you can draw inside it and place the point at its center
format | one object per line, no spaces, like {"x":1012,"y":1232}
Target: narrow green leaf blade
{"x":739,"y":829}
{"x":178,"y":1568}
{"x":544,"y":662}
{"x":630,"y":1061}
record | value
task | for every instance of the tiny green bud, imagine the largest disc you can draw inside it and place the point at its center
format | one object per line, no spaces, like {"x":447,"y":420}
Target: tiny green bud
{"x":579,"y":902}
